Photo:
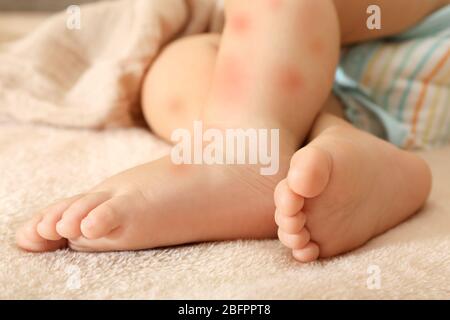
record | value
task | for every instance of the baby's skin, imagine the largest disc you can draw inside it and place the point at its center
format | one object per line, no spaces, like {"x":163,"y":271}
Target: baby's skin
{"x":272,"y":67}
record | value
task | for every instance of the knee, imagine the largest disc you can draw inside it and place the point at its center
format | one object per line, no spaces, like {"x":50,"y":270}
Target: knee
{"x":177,"y":84}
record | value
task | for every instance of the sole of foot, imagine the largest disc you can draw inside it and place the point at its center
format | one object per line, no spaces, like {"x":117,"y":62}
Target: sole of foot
{"x":344,"y":188}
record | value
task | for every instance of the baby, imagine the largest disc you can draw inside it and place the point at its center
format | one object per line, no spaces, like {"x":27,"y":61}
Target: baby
{"x":273,"y":66}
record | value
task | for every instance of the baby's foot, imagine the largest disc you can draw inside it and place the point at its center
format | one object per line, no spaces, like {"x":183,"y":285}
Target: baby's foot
{"x":343,"y":189}
{"x":159,"y":204}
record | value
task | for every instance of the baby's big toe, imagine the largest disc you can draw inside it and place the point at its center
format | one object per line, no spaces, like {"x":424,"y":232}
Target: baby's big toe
{"x":104,"y":219}
{"x":310,"y":171}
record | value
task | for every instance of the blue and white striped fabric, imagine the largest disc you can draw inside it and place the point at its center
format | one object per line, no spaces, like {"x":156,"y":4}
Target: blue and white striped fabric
{"x":399,"y":88}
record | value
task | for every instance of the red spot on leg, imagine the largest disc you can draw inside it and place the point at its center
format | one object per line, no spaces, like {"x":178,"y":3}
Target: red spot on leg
{"x":317,"y":46}
{"x":181,"y":169}
{"x":230,"y":79}
{"x":175,"y":105}
{"x":275,"y":4}
{"x":289,"y":80}
{"x":240,"y":23}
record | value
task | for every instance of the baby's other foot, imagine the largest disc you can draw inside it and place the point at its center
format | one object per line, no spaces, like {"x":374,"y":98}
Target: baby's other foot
{"x":344,"y":188}
{"x":159,"y":204}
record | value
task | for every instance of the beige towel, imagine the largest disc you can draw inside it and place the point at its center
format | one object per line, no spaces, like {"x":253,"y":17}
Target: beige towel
{"x":91,"y":77}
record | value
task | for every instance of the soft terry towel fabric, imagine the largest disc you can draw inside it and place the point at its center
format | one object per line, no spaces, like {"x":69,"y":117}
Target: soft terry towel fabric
{"x":91,"y":77}
{"x":53,"y":91}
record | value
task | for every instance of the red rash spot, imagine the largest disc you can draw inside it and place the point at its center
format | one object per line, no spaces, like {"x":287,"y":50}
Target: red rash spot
{"x":230,"y":79}
{"x":240,"y":23}
{"x":175,"y":105}
{"x":289,"y":80}
{"x":275,"y":4}
{"x":181,"y":169}
{"x":317,"y":46}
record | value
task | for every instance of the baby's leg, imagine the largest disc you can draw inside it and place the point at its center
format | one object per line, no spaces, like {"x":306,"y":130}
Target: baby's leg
{"x":275,"y":66}
{"x":274,"y":69}
{"x":173,"y":107}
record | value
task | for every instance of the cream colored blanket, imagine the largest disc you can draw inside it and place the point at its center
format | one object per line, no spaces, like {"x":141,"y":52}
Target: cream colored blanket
{"x":59,"y":86}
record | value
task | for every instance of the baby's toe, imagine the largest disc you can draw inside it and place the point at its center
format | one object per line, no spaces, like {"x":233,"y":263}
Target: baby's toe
{"x":28,"y":232}
{"x":102,"y":220}
{"x":290,"y":224}
{"x":308,"y":254}
{"x":50,"y":217}
{"x":69,"y":225}
{"x":310,"y":171}
{"x":294,"y":241}
{"x":29,"y":239}
{"x":47,"y":227}
{"x":287,"y":202}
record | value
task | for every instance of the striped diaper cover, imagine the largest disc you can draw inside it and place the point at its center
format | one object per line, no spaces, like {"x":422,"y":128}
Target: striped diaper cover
{"x":399,"y":88}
